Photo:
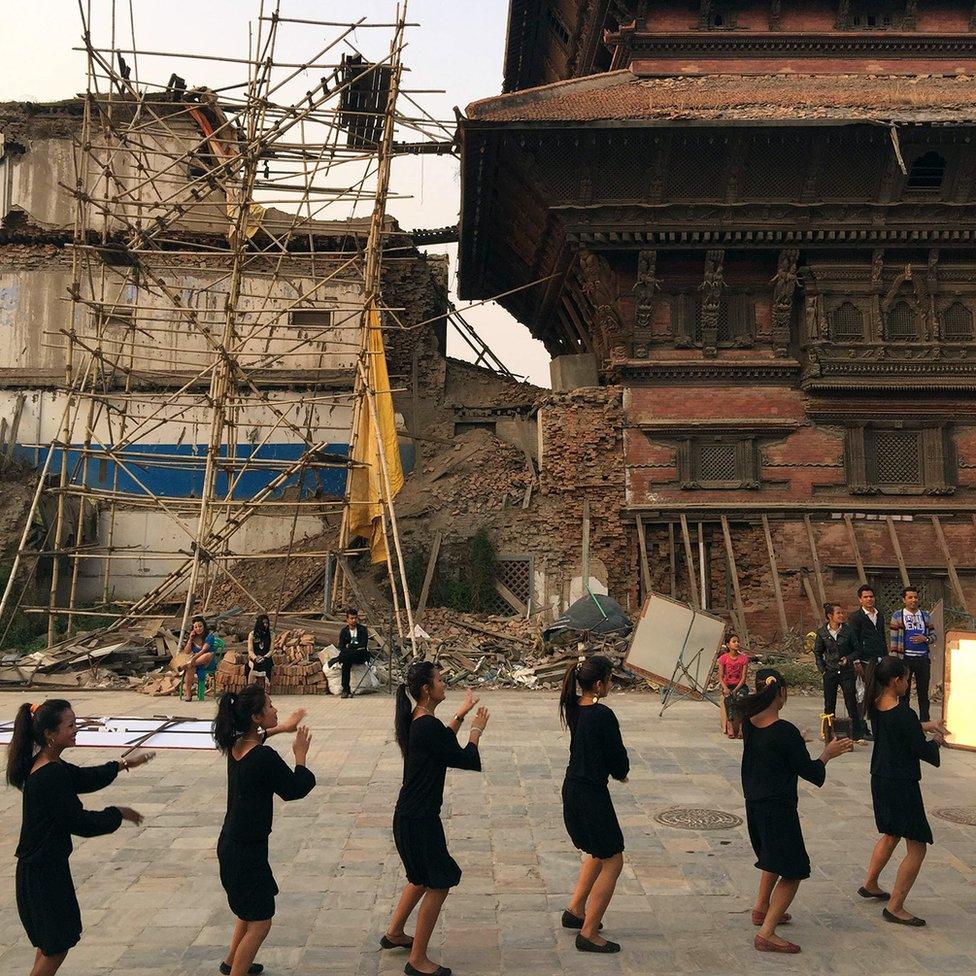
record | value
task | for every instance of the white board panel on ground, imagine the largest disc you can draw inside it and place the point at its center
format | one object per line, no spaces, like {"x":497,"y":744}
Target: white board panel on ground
{"x":158,"y":732}
{"x":669,"y":630}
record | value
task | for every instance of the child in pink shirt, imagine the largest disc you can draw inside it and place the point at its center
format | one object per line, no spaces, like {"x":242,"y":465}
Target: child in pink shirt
{"x":733,"y":667}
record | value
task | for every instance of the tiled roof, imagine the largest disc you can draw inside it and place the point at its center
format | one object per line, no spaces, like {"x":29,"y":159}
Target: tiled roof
{"x":621,"y":95}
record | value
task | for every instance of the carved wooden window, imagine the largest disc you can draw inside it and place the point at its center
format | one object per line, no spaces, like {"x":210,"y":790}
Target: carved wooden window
{"x":557,"y":26}
{"x":718,"y":461}
{"x":901,"y":323}
{"x":874,"y":16}
{"x":957,"y":323}
{"x":736,"y":321}
{"x":718,"y":16}
{"x":896,"y":460}
{"x":927,"y":174}
{"x":847,"y":323}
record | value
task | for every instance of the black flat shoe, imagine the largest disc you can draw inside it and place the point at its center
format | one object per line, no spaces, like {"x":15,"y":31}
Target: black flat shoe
{"x":386,"y":943}
{"x":584,"y":945}
{"x":571,"y":921}
{"x":915,"y":923}
{"x":254,"y":969}
{"x":439,"y":971}
{"x":880,"y":895}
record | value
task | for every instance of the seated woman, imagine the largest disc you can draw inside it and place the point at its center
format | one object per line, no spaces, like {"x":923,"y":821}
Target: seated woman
{"x":259,"y":662}
{"x":203,"y":661}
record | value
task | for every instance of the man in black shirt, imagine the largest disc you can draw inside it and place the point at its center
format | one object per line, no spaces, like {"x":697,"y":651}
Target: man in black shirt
{"x":353,"y":648}
{"x":836,"y":652}
{"x":871,"y":630}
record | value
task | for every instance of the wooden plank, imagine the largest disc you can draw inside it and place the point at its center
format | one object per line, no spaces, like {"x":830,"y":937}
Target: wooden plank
{"x":672,"y":560}
{"x":818,"y":613}
{"x":896,"y":545}
{"x":950,"y":565}
{"x":586,"y":546}
{"x":429,"y":575}
{"x":645,"y":567}
{"x":777,"y":588}
{"x":862,"y":576}
{"x":730,"y":555}
{"x":509,"y":597}
{"x":690,"y":562}
{"x":15,"y":425}
{"x":821,"y":591}
{"x":364,"y":605}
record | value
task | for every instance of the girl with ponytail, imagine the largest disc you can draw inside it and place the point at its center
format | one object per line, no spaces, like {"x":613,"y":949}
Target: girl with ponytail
{"x":429,"y":749}
{"x":899,"y":813}
{"x":52,"y":812}
{"x":774,"y":756}
{"x":596,"y":752}
{"x":255,"y":774}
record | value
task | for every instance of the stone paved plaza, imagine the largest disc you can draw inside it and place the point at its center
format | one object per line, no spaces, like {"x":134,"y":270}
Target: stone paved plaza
{"x":152,"y":902}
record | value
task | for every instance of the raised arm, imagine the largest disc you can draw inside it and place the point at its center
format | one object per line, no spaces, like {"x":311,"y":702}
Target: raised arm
{"x":89,"y":779}
{"x":812,"y":770}
{"x":291,"y":784}
{"x":443,"y":745}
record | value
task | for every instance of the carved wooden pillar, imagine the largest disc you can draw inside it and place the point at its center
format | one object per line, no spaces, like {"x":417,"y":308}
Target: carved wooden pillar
{"x":775,"y":14}
{"x":931,"y":309}
{"x":644,"y":291}
{"x":784,"y":288}
{"x":972,"y":19}
{"x":909,"y":21}
{"x":599,"y":285}
{"x":712,"y":288}
{"x":843,"y":15}
{"x":704,"y":13}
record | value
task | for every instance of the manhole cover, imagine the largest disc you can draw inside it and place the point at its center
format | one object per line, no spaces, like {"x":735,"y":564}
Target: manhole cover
{"x":698,"y":818}
{"x":959,"y":815}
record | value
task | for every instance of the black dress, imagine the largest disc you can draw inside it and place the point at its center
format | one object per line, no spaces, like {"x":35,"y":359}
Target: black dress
{"x":418,"y":833}
{"x":242,"y":849}
{"x":52,"y":812}
{"x":896,"y":773}
{"x":772,"y":760}
{"x":596,"y":752}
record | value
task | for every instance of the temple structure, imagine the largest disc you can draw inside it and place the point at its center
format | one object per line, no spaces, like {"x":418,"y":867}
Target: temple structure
{"x":757,"y":218}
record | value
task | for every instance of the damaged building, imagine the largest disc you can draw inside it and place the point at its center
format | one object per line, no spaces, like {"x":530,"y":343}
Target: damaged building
{"x":744,"y":231}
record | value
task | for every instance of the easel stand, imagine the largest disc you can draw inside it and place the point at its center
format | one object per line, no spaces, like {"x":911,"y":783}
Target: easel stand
{"x":684,"y":684}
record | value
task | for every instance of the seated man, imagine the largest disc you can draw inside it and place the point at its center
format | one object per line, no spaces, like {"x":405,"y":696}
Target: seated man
{"x":353,"y":648}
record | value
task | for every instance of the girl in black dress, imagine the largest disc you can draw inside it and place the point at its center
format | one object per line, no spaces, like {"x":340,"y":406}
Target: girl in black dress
{"x":259,"y":660}
{"x":596,"y":752}
{"x":429,"y":749}
{"x":52,"y":812}
{"x":899,"y":745}
{"x":255,"y":773}
{"x":774,"y":755}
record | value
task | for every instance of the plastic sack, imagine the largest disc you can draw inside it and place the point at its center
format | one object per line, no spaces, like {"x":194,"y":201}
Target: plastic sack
{"x":860,"y":689}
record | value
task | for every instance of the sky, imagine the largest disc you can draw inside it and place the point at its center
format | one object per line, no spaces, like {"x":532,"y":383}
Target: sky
{"x":454,"y":57}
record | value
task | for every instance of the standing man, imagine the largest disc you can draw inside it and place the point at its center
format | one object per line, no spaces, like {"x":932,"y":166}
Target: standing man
{"x":837,"y":651}
{"x":912,"y":634}
{"x":871,"y":631}
{"x":353,"y":648}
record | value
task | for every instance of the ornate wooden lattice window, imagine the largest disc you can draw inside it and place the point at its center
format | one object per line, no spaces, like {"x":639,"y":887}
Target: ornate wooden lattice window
{"x":847,"y":323}
{"x":901,"y":323}
{"x":898,"y":460}
{"x":957,"y":323}
{"x":513,"y":583}
{"x":871,"y":15}
{"x":717,"y":16}
{"x":736,"y":320}
{"x":718,"y":461}
{"x":927,"y":174}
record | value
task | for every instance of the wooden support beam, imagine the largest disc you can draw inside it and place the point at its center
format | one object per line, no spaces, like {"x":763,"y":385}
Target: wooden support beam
{"x":777,"y":588}
{"x":429,"y":575}
{"x":950,"y":565}
{"x":730,"y":555}
{"x":821,"y":590}
{"x":645,"y":568}
{"x":672,"y":560}
{"x":690,"y":562}
{"x":862,"y":576}
{"x":586,"y":545}
{"x":509,"y":597}
{"x":818,"y":614}
{"x":896,"y":545}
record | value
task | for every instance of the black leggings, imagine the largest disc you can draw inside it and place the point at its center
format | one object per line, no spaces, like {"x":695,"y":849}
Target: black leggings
{"x":921,"y":669}
{"x":845,"y":680}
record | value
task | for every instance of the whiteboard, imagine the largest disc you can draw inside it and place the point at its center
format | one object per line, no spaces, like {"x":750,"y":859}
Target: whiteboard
{"x":158,"y":732}
{"x":665,"y":628}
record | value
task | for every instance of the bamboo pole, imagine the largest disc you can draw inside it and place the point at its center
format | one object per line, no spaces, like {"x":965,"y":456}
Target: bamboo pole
{"x":777,"y":588}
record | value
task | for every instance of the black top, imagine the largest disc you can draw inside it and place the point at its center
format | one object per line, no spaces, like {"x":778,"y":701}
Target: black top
{"x":829,"y":651}
{"x":773,"y":758}
{"x":361,"y":643}
{"x":432,"y":749}
{"x":53,"y":812}
{"x":596,"y":749}
{"x":252,"y":781}
{"x":872,"y":638}
{"x":899,"y":744}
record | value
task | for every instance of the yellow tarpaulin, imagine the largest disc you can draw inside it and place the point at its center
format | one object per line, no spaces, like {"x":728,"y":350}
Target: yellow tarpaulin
{"x":366,"y":478}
